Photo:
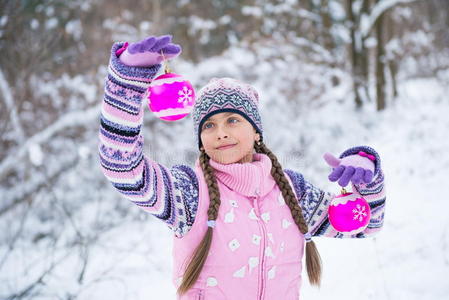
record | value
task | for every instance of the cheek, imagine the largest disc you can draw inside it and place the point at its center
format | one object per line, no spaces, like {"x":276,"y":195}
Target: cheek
{"x":247,"y":140}
{"x":205,"y":140}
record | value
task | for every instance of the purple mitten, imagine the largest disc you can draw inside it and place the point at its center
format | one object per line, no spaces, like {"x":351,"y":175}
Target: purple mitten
{"x":357,"y":168}
{"x":148,"y":52}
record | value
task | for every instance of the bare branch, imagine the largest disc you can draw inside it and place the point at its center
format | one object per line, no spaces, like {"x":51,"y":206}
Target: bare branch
{"x":31,"y":188}
{"x":16,"y":237}
{"x":5,"y":90}
{"x":72,"y":119}
{"x":39,"y":281}
{"x":368,"y":22}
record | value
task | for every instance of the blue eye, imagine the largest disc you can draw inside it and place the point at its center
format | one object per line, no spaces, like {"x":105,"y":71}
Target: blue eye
{"x":205,"y":126}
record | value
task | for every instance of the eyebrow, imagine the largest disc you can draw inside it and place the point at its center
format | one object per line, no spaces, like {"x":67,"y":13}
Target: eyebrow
{"x":226,"y":114}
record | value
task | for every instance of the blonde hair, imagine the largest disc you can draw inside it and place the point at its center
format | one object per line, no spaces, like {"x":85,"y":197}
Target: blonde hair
{"x":193,"y":270}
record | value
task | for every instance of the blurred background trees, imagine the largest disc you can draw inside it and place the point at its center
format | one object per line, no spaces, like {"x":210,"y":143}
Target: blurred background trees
{"x":53,"y":61}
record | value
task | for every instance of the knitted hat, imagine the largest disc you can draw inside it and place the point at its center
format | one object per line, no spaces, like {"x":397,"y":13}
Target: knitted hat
{"x":226,"y":95}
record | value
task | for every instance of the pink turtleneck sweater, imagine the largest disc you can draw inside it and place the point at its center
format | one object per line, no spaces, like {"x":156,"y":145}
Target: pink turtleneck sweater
{"x":249,"y":179}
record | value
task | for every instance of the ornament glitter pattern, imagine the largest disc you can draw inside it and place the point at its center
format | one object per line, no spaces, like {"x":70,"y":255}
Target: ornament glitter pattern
{"x":170,"y":97}
{"x":349,"y":213}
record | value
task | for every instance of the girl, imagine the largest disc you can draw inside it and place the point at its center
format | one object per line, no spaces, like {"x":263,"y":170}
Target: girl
{"x":240,"y":221}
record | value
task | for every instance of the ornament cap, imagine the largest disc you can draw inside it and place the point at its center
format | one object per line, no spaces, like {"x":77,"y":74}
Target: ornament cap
{"x":166,"y":68}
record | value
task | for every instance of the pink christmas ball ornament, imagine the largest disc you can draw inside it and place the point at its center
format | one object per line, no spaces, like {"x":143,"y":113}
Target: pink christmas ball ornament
{"x":349,"y":213}
{"x":171,"y":97}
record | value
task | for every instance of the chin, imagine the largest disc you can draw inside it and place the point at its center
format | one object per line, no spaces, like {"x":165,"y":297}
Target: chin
{"x":230,"y":159}
{"x":225,"y":161}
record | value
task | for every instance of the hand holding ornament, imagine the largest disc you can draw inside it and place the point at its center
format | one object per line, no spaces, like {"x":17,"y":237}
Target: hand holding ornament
{"x":358,"y":168}
{"x":350,"y":212}
{"x":150,"y":51}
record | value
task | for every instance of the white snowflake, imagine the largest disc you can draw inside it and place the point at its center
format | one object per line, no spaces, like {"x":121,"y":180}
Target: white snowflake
{"x":186,"y":95}
{"x":359,"y":212}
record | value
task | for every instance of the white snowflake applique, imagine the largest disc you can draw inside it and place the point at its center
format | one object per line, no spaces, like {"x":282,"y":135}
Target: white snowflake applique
{"x":269,"y":252}
{"x":233,"y":203}
{"x":286,"y":223}
{"x":185,"y":95}
{"x":282,"y":246}
{"x":234,"y":244}
{"x":272,"y":273}
{"x":270,"y":236}
{"x":240,"y":273}
{"x":359,"y":213}
{"x":281,"y":200}
{"x":252,"y":262}
{"x":229,"y":217}
{"x":266,"y":217}
{"x":252,"y":215}
{"x":211,"y":281}
{"x":256,"y":239}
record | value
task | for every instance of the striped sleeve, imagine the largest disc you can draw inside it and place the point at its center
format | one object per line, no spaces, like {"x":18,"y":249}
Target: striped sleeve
{"x":315,"y":202}
{"x":171,"y":195}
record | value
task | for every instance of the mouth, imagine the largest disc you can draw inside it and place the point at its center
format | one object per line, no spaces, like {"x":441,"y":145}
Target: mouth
{"x":226,"y":147}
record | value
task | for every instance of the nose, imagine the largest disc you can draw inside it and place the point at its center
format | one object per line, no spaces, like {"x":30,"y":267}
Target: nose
{"x":221,"y":133}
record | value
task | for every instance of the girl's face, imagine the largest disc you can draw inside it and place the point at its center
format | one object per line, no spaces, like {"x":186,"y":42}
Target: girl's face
{"x":228,"y":128}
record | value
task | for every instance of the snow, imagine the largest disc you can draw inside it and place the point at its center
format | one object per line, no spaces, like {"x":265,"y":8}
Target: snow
{"x":3,"y":20}
{"x":49,"y":11}
{"x":75,"y":28}
{"x":97,"y":245}
{"x":35,"y":154}
{"x":66,"y":121}
{"x":34,"y":24}
{"x":378,"y":9}
{"x":201,"y":27}
{"x":336,"y":10}
{"x":226,"y":19}
{"x":51,"y":23}
{"x":145,"y":26}
{"x":252,"y":11}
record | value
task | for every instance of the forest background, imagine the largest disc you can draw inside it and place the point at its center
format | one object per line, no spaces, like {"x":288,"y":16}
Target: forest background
{"x":330,"y":73}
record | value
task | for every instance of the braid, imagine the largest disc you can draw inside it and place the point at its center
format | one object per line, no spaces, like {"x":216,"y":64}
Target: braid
{"x":193,"y":270}
{"x":199,"y":255}
{"x":212,"y":185}
{"x":313,"y":259}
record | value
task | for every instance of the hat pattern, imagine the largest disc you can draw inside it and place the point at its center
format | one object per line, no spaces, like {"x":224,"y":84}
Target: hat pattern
{"x":222,"y":95}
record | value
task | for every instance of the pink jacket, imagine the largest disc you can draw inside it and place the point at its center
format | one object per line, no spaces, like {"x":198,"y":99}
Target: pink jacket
{"x":256,"y":249}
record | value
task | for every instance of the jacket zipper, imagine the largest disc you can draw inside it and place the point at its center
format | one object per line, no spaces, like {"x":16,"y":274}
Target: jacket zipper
{"x":262,"y":266}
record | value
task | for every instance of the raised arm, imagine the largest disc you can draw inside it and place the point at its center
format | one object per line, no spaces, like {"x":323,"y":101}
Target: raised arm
{"x":171,"y":195}
{"x":315,"y":202}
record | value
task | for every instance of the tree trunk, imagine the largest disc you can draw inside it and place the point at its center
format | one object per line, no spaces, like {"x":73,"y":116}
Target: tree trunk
{"x":380,"y":65}
{"x":392,"y":61}
{"x":355,"y":55}
{"x":364,"y":55}
{"x":328,"y":42}
{"x":393,"y":66}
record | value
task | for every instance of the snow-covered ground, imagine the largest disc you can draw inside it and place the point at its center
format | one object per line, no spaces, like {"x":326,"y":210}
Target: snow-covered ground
{"x":409,"y":259}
